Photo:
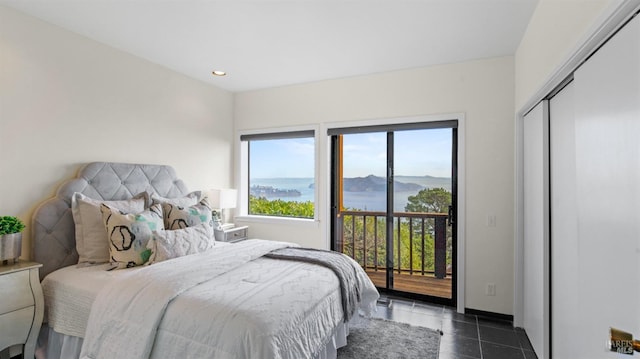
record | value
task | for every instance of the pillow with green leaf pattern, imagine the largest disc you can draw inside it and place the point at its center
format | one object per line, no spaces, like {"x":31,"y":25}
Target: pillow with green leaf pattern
{"x":128,"y":234}
{"x":178,"y":217}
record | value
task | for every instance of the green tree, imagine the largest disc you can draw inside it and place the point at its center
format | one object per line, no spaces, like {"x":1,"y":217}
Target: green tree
{"x":433,"y":200}
{"x":280,"y":208}
{"x":429,"y":200}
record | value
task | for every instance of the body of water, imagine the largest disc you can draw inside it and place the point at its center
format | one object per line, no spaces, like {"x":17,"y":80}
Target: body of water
{"x":370,"y":201}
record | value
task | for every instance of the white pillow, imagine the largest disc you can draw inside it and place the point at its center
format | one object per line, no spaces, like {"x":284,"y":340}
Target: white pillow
{"x":186,"y":201}
{"x":178,"y":217}
{"x":91,"y":236}
{"x":129,"y":233}
{"x":180,"y":242}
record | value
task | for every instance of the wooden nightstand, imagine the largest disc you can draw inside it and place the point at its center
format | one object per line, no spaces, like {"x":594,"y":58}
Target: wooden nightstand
{"x":21,"y":307}
{"x":233,"y":234}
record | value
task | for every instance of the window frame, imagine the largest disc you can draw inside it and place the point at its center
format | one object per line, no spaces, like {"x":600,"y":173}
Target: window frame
{"x":243,"y":138}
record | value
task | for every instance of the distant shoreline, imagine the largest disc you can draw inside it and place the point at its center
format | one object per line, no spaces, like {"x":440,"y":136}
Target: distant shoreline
{"x":364,"y":199}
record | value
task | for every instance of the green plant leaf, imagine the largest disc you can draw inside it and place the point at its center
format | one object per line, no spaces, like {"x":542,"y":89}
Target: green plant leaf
{"x":10,"y":224}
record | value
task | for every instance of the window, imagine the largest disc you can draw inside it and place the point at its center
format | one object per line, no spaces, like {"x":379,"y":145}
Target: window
{"x":280,"y":174}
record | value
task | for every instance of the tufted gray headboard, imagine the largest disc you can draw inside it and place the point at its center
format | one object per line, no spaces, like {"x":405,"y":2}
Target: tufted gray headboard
{"x":53,"y":230}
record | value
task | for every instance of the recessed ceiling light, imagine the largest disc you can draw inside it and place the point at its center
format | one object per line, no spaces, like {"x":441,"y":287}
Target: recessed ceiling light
{"x":218,"y":73}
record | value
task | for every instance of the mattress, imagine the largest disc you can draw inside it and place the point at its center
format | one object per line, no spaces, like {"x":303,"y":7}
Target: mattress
{"x":71,"y":291}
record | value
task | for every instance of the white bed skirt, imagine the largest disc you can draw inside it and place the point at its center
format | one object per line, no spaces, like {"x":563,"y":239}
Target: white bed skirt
{"x":53,"y":345}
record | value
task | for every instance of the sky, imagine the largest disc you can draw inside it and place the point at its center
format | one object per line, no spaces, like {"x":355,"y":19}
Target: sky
{"x":417,"y":153}
{"x":289,"y":158}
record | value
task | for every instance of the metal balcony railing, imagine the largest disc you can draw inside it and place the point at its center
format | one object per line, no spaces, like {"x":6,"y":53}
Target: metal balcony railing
{"x":421,"y":241}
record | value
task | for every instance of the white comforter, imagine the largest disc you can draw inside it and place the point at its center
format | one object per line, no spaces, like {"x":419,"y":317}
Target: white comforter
{"x":226,"y":303}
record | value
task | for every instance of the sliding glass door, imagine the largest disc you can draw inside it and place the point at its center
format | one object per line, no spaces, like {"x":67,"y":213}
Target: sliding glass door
{"x":393,"y":190}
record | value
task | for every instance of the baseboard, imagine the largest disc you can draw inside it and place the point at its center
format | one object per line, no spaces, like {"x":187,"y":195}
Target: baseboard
{"x":490,"y":315}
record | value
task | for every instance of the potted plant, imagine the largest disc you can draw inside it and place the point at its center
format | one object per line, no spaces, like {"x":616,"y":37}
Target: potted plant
{"x":10,"y":238}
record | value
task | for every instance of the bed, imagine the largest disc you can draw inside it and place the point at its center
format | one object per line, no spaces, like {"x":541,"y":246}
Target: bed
{"x":252,"y":299}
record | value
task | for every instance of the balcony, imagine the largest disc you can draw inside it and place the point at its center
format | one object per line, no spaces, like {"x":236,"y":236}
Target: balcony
{"x":422,"y":249}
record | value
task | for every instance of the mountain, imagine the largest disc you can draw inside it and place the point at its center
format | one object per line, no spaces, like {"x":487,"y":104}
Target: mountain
{"x":427,"y":181}
{"x":373,"y":183}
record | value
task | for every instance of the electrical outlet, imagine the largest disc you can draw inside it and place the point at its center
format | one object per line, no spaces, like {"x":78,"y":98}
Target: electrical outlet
{"x":491,"y":220}
{"x":491,"y":289}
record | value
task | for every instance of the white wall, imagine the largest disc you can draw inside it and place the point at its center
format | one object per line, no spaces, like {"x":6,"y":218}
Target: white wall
{"x":556,"y":30}
{"x":482,"y":90}
{"x":66,"y":100}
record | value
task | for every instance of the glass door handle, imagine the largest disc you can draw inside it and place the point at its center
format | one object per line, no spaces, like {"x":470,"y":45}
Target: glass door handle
{"x":450,"y":216}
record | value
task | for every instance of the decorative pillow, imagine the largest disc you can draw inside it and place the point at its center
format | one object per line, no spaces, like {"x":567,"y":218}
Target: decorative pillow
{"x":177,"y":217}
{"x":128,"y":234}
{"x":91,"y":237}
{"x":186,"y":201}
{"x":180,"y":242}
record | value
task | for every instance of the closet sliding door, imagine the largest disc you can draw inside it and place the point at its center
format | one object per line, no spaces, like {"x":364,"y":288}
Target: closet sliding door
{"x":536,"y":228}
{"x":595,"y":198}
{"x":564,"y":227}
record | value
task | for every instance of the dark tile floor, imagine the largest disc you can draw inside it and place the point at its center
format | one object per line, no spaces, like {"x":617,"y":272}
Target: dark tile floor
{"x":465,"y":336}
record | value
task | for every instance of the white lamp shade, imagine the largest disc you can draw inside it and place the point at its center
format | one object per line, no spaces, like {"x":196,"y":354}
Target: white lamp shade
{"x":222,"y":198}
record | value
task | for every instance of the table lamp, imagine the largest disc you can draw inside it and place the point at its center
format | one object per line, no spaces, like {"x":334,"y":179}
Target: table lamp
{"x":222,"y":199}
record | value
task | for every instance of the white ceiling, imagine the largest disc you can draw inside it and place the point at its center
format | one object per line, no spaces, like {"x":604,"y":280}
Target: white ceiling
{"x":268,"y":43}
